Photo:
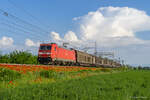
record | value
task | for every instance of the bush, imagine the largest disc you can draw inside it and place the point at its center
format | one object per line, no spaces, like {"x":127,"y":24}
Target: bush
{"x":8,"y":75}
{"x":4,"y":58}
{"x":19,"y":57}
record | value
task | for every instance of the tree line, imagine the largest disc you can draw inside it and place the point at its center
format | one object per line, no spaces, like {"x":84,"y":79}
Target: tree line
{"x":18,"y":57}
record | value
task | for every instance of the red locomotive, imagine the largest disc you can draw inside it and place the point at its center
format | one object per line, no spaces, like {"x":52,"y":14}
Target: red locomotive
{"x":51,"y":53}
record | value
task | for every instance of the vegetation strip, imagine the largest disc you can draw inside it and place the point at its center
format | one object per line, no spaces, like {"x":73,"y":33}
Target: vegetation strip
{"x":126,"y":85}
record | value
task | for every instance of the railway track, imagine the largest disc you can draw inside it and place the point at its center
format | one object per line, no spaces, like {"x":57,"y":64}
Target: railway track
{"x":33,"y":65}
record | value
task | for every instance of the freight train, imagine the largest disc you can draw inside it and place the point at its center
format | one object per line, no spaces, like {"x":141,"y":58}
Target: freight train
{"x":51,"y":53}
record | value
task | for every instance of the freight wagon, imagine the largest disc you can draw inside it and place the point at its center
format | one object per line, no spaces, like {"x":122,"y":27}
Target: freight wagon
{"x":83,"y":58}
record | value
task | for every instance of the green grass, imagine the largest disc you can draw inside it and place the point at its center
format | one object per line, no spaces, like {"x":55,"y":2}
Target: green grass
{"x":131,"y":85}
{"x":8,"y":75}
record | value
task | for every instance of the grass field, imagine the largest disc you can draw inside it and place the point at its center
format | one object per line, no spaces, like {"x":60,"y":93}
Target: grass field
{"x":80,"y":85}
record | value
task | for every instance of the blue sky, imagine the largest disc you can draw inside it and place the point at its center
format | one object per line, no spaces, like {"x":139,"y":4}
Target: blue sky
{"x":57,"y":15}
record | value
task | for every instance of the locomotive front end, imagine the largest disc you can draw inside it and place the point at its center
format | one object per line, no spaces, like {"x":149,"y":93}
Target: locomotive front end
{"x":44,"y":54}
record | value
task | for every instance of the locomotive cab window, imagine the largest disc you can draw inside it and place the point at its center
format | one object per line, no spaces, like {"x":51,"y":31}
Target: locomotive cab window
{"x":48,"y":47}
{"x":45,"y":47}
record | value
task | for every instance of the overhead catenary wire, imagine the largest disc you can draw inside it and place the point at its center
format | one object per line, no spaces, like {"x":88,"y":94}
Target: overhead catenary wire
{"x":21,"y":30}
{"x":9,"y":31}
{"x":27,"y":24}
{"x":26,"y":12}
{"x":32,"y":32}
{"x":17,"y":29}
{"x":23,"y":22}
{"x":20,"y":27}
{"x":18,"y":20}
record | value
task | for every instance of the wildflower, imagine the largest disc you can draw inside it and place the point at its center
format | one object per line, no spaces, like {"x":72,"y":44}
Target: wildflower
{"x":11,"y":84}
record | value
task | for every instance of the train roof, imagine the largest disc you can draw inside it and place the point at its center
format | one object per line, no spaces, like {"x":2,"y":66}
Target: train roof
{"x":57,"y":45}
{"x":47,"y":43}
{"x":84,"y":52}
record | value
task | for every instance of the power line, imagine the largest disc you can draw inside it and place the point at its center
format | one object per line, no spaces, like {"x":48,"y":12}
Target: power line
{"x":26,"y":12}
{"x":10,"y":31}
{"x":22,"y":21}
{"x":18,"y":20}
{"x":17,"y":27}
{"x":13,"y":32}
{"x":23,"y":28}
{"x":20,"y":30}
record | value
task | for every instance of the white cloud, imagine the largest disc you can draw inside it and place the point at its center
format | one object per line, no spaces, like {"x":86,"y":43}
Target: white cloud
{"x":55,"y":36}
{"x":70,"y":36}
{"x":114,"y":25}
{"x":113,"y":28}
{"x":110,"y":26}
{"x":31,"y":43}
{"x":6,"y":41}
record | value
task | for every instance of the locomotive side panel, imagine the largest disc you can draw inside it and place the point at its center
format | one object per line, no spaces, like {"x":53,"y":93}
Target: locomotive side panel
{"x":52,"y":53}
{"x":65,"y":55}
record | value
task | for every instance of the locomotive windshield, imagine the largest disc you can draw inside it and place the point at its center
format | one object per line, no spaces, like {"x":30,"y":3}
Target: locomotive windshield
{"x":45,"y":47}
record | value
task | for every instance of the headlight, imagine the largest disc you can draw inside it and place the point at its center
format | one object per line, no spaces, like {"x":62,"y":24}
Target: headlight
{"x":48,"y":53}
{"x":44,"y":53}
{"x":40,"y":53}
